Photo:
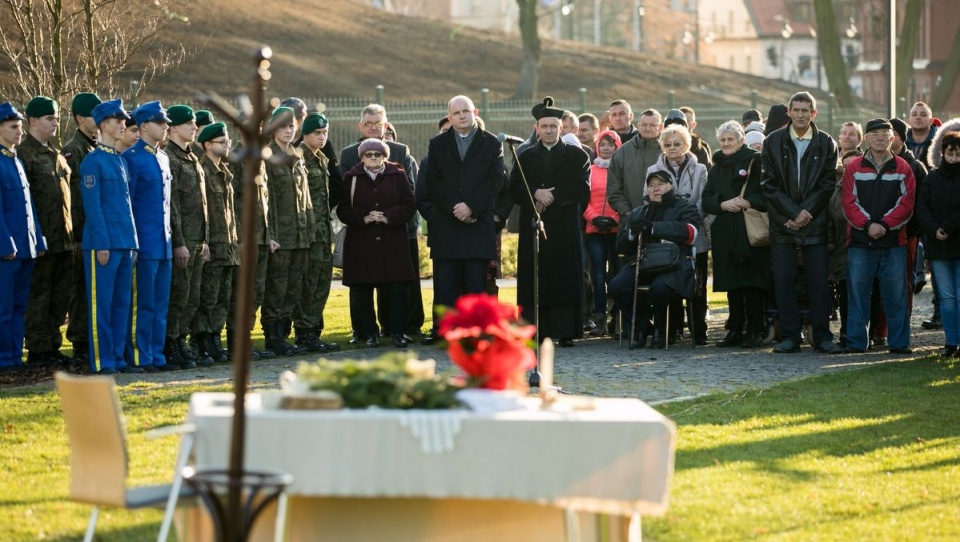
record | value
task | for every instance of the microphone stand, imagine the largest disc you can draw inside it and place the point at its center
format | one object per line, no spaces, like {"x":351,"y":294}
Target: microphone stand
{"x":533,"y":379}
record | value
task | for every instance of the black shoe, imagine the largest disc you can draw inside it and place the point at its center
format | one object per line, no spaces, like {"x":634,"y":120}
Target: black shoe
{"x":752,"y":339}
{"x":106,"y":372}
{"x":732,"y":339}
{"x":328,"y":347}
{"x":852,"y":350}
{"x":589,"y":325}
{"x":933,"y":323}
{"x":373,"y":342}
{"x":400,"y":341}
{"x":878,"y":342}
{"x":656,"y":341}
{"x":827,"y":347}
{"x":187,"y":364}
{"x":918,"y":287}
{"x":149,"y":369}
{"x":948,"y":351}
{"x":639,"y":342}
{"x":430,"y":339}
{"x":786,"y":347}
{"x":902,"y":351}
{"x":130,"y":369}
{"x":168,"y":367}
{"x":358,"y":338}
{"x":566,"y":343}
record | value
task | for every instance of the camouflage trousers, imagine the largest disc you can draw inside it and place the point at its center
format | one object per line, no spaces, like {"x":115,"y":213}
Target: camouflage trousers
{"x":216,"y":293}
{"x":259,"y":280}
{"x":283,"y":288}
{"x":185,"y":293}
{"x":49,"y":301}
{"x":316,"y":287}
{"x":77,"y":325}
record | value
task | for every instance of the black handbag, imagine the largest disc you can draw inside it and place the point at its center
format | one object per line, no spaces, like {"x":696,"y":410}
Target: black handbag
{"x":659,"y":258}
{"x":604,"y":223}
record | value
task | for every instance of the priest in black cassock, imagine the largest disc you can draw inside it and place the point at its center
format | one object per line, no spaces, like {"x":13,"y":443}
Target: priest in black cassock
{"x":559,"y":177}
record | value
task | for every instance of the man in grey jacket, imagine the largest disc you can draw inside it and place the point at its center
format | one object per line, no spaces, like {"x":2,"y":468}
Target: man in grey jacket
{"x":626,"y":176}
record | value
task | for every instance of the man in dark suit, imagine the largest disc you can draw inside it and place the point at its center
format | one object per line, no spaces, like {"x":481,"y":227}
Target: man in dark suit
{"x":559,"y":187}
{"x":463,"y":174}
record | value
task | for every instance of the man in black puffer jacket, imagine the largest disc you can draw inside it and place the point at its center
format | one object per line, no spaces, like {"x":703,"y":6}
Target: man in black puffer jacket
{"x":799,"y":174}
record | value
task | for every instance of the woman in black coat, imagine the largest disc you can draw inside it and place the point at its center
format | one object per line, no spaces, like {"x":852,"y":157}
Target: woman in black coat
{"x":666,"y":218}
{"x":938,"y":210}
{"x":375,"y":205}
{"x":738,"y":269}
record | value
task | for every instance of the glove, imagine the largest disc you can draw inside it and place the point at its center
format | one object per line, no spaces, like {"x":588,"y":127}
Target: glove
{"x":639,"y":224}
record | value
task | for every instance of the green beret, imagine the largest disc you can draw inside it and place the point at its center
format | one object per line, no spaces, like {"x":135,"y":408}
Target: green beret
{"x":212,"y":131}
{"x":314,"y":122}
{"x":282,"y":110}
{"x":180,"y":114}
{"x":84,"y":103}
{"x":41,"y":106}
{"x":204,"y":118}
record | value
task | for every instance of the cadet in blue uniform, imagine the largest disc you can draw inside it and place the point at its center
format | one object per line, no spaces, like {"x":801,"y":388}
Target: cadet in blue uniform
{"x":109,"y":242}
{"x":150,"y":181}
{"x":21,"y":240}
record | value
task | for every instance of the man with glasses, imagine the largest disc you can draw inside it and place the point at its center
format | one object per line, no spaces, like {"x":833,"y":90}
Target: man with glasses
{"x":878,"y":195}
{"x":150,"y":187}
{"x":799,"y":176}
{"x":372,"y":124}
{"x":627,"y":174}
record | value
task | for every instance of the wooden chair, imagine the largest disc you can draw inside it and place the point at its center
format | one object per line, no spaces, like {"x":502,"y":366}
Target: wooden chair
{"x":98,"y":459}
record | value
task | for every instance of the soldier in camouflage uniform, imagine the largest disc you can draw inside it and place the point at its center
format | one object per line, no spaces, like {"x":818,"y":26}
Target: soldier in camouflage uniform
{"x":223,"y":241}
{"x":263,"y":237}
{"x":49,"y":177}
{"x":308,"y":317}
{"x":79,"y":146}
{"x":291,"y":213}
{"x":188,"y":219}
{"x":203,"y":118}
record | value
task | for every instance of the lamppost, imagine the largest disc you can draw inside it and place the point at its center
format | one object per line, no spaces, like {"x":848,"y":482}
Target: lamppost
{"x":785,"y":32}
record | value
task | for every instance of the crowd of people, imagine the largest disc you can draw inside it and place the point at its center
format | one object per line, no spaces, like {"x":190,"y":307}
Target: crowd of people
{"x":131,"y":231}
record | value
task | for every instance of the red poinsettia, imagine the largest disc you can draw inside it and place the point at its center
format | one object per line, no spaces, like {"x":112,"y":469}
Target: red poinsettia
{"x":488,"y":342}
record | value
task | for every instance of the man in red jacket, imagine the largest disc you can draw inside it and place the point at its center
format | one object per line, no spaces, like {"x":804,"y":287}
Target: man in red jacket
{"x":879,"y":191}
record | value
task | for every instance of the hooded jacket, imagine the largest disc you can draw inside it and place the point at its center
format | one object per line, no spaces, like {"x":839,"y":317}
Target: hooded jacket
{"x":598,"y":205}
{"x":934,"y":154}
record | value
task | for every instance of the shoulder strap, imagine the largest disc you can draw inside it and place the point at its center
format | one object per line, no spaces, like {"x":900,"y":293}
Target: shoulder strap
{"x":744,"y":189}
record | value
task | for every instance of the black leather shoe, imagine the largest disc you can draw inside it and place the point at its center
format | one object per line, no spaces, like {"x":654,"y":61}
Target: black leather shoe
{"x":918,"y":287}
{"x":948,"y":351}
{"x":878,"y":342}
{"x":752,"y":339}
{"x":150,"y":369}
{"x":400,"y":341}
{"x":328,"y":347}
{"x":373,"y":342}
{"x":827,"y":347}
{"x":106,"y":372}
{"x":732,"y":339}
{"x":129,"y":369}
{"x":932,"y":323}
{"x":902,"y":351}
{"x":786,"y":347}
{"x":852,"y":350}
{"x":358,"y":338}
{"x":566,"y":343}
{"x":168,"y":367}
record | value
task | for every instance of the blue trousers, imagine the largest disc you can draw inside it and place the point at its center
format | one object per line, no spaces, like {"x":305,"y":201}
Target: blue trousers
{"x":15,"y":276}
{"x":948,"y":287}
{"x":890,"y":266}
{"x":109,"y":290}
{"x":148,"y":315}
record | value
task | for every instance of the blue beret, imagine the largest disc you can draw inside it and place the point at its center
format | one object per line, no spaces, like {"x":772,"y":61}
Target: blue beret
{"x":9,"y":112}
{"x":150,"y":112}
{"x":108,"y":110}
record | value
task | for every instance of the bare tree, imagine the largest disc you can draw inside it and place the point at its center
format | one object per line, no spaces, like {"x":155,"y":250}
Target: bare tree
{"x":942,"y":94}
{"x":60,"y":47}
{"x":530,"y":37}
{"x":907,"y":46}
{"x":830,"y":53}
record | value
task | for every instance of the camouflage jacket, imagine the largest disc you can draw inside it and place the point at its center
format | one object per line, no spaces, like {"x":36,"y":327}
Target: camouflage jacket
{"x":263,"y":230}
{"x":49,"y":177}
{"x":221,"y":210}
{"x":318,"y":177}
{"x":290,"y":211}
{"x":74,"y":152}
{"x":188,"y":200}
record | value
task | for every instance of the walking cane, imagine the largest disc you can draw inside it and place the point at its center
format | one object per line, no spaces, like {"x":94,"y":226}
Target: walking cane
{"x":636,"y":286}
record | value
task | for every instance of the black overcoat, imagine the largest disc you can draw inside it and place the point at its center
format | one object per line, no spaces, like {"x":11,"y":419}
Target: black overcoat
{"x":376,"y":253}
{"x":475,"y":180}
{"x":561,"y":257}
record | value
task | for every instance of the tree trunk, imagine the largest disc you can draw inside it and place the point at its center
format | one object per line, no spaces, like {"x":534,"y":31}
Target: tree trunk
{"x":530,"y":37}
{"x":831,"y":55}
{"x":909,"y":32}
{"x":942,"y":94}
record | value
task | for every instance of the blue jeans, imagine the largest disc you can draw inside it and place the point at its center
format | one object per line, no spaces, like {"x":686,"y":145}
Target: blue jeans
{"x":602,"y":249}
{"x":948,"y":288}
{"x":890,"y":266}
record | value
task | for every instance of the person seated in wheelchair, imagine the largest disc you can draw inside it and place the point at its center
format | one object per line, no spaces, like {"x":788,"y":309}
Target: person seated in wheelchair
{"x":659,"y":237}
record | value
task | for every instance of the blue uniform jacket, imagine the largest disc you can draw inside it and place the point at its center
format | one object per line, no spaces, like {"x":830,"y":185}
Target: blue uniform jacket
{"x":150,"y":182}
{"x":16,"y":233}
{"x":105,"y":190}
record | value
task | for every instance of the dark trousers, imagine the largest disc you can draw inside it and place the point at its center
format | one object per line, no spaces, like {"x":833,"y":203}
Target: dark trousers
{"x":415,"y":317}
{"x":746,"y":306}
{"x":453,"y":278}
{"x":815,"y":268}
{"x":361,"y":296}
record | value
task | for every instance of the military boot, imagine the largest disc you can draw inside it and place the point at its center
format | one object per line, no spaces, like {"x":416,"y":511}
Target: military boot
{"x":224,"y":352}
{"x":175,"y":358}
{"x":308,"y":340}
{"x":275,"y":341}
{"x":208,"y":348}
{"x":189,"y":354}
{"x":326,"y":347}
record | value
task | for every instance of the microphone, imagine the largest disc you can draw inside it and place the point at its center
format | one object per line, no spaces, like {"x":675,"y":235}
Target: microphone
{"x":513,"y":140}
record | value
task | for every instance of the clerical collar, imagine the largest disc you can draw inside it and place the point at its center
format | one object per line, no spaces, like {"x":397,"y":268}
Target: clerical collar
{"x":549,"y":147}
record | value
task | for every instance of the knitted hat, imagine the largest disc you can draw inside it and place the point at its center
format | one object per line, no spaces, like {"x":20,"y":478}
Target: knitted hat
{"x":754,"y":126}
{"x":374,"y":144}
{"x":41,"y":106}
{"x":180,"y":114}
{"x":899,"y":127}
{"x":84,"y":103}
{"x":753,"y":137}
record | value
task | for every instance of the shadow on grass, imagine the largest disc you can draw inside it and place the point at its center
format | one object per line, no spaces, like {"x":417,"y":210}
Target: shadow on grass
{"x":888,"y":406}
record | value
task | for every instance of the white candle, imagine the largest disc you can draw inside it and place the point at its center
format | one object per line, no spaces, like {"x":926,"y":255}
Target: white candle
{"x":546,"y":364}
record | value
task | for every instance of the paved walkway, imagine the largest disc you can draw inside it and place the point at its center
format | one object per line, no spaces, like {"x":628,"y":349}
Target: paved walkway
{"x":597,"y":366}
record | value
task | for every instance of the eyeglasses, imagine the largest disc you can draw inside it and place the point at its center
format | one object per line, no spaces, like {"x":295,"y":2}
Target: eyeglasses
{"x":674,"y":145}
{"x":372,"y":154}
{"x":369,"y":124}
